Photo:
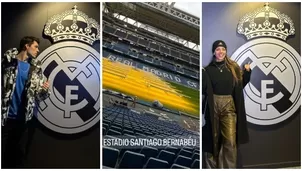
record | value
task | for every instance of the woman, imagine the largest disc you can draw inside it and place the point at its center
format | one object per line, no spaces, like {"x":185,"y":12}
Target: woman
{"x":207,"y":111}
{"x":228,"y":120}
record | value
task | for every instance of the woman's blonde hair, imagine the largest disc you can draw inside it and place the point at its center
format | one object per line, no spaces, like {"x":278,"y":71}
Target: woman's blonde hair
{"x":234,"y":68}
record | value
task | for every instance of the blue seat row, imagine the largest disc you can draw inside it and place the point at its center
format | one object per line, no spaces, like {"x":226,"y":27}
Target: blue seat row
{"x":145,"y":159}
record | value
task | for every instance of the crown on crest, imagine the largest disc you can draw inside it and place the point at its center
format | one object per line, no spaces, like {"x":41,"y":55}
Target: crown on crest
{"x":266,"y":22}
{"x":73,"y":25}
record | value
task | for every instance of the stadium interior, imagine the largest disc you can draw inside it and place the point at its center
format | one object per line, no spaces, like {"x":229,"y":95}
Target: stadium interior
{"x":150,"y":83}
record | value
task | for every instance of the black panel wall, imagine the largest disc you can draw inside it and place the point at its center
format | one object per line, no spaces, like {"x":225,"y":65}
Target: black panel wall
{"x":48,"y":149}
{"x":277,"y":145}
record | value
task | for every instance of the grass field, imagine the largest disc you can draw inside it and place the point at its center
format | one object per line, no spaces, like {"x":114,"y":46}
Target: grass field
{"x":192,"y":93}
{"x":149,"y":87}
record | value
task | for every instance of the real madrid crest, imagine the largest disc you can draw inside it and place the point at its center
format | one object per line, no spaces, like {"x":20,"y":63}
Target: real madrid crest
{"x":73,"y":69}
{"x":273,"y":93}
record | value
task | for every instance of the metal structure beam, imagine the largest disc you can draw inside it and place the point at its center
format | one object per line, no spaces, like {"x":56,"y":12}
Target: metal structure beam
{"x":169,"y":36}
{"x":174,"y":12}
{"x":159,"y":19}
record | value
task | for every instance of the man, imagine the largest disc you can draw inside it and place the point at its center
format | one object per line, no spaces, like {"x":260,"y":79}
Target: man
{"x":23,"y":85}
{"x":134,"y":101}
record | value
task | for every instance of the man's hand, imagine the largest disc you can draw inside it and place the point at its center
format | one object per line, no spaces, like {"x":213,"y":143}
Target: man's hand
{"x":46,"y":85}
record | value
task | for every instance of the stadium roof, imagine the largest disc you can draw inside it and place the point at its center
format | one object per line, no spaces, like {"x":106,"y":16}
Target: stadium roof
{"x":192,"y":8}
{"x":164,"y":16}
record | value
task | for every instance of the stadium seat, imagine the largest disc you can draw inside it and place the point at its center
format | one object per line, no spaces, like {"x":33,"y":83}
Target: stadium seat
{"x":196,"y":151}
{"x":177,"y":166}
{"x":132,"y":160}
{"x":184,"y":161}
{"x":118,"y":129}
{"x":118,"y":121}
{"x":127,"y":122}
{"x":116,"y":124}
{"x":172,"y":149}
{"x":107,"y":122}
{"x":140,"y":135}
{"x":105,"y":125}
{"x":195,"y":164}
{"x":110,"y":156}
{"x":128,"y":127}
{"x":110,"y":137}
{"x":113,"y":132}
{"x":167,"y":156}
{"x":185,"y":153}
{"x":188,"y":149}
{"x":138,"y":131}
{"x":133,"y":149}
{"x":195,"y":156}
{"x":156,"y":163}
{"x":148,"y":133}
{"x":149,"y":152}
{"x":130,"y":136}
{"x":126,"y":131}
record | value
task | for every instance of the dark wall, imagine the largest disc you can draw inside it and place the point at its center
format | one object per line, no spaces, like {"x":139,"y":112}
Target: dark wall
{"x":21,"y":19}
{"x":276,"y":145}
{"x":220,"y":20}
{"x":47,"y":149}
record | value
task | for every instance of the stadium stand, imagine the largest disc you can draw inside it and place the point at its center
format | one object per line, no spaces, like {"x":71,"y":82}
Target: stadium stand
{"x":121,"y":121}
{"x":147,"y":46}
{"x":175,"y":61}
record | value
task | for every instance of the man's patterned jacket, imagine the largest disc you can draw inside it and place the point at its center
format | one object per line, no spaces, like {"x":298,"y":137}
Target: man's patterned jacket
{"x":33,"y":87}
